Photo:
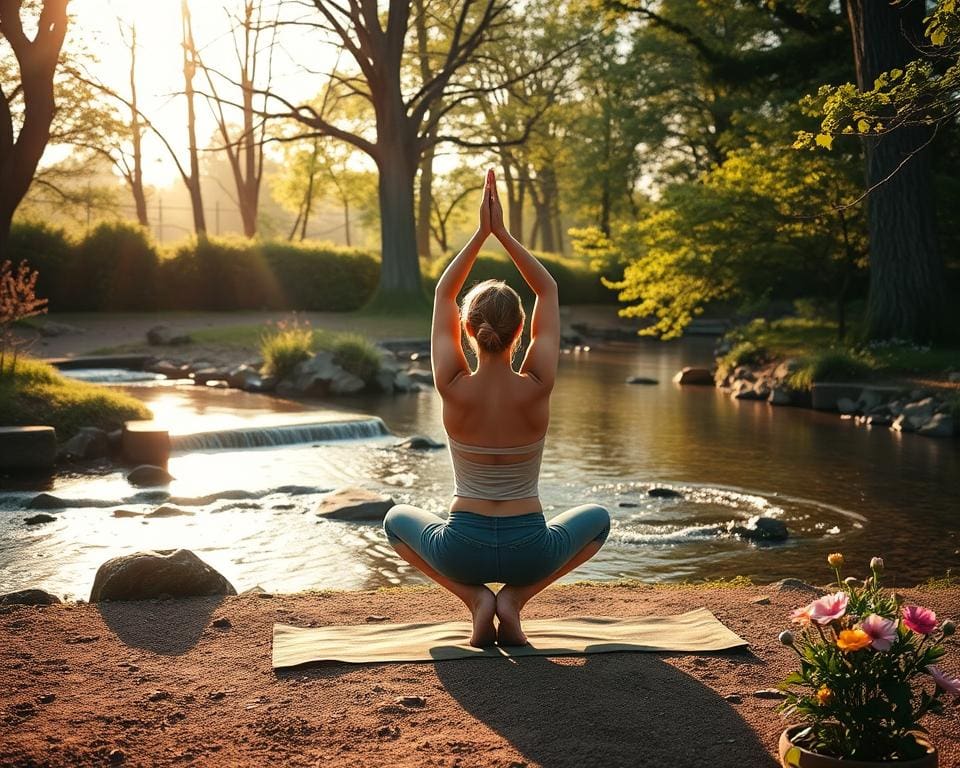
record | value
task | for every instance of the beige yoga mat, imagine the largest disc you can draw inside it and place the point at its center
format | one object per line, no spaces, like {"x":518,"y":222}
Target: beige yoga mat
{"x":697,"y":630}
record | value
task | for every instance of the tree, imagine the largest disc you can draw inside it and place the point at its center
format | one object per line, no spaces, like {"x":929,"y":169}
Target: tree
{"x":192,"y":178}
{"x":21,"y":150}
{"x":407,"y":118}
{"x":899,"y":101}
{"x":245,"y":150}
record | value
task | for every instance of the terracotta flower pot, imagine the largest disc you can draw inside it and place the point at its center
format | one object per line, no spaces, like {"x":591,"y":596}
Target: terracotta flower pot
{"x":792,"y":756}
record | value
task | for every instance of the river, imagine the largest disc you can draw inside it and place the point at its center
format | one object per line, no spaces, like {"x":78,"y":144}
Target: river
{"x":838,"y":487}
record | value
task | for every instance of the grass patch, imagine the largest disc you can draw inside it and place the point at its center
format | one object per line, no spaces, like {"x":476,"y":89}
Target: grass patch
{"x":38,"y":394}
{"x":355,"y":354}
{"x":812,"y":341}
{"x":947,"y":581}
{"x":284,"y":348}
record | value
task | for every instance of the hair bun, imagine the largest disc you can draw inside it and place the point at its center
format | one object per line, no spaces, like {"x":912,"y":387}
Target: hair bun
{"x":488,"y":337}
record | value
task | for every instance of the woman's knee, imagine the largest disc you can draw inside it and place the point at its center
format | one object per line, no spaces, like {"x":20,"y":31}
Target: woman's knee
{"x":599,"y":520}
{"x":394,"y":522}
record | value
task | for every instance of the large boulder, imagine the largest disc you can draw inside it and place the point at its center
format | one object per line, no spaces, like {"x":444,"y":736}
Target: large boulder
{"x":88,"y":443}
{"x":939,"y":425}
{"x":354,"y":504}
{"x":780,"y":396}
{"x":148,"y":475}
{"x":312,"y":377}
{"x":694,"y":376}
{"x":148,"y":575}
{"x":346,"y":383}
{"x":421,"y":376}
{"x":920,"y":412}
{"x":29,"y":597}
{"x":27,"y":447}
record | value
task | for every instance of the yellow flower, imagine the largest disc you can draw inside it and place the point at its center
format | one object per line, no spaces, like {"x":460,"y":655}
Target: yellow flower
{"x":835,"y":560}
{"x":853,"y":640}
{"x":824,"y":695}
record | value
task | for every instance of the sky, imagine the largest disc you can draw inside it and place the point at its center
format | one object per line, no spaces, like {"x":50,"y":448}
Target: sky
{"x":94,"y":23}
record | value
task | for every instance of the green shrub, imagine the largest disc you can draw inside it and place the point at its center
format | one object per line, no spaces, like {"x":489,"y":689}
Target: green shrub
{"x":48,"y":250}
{"x":284,"y":347}
{"x":742,"y":353}
{"x":115,"y":269}
{"x":37,"y":393}
{"x":830,"y":365}
{"x":356,"y":355}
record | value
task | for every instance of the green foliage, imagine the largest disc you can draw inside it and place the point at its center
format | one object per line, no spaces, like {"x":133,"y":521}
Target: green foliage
{"x":36,"y":393}
{"x":355,"y":354}
{"x":284,"y":346}
{"x":759,"y":225}
{"x":860,"y":697}
{"x":117,"y":267}
{"x":830,"y":365}
{"x":922,"y":92}
{"x":744,"y":353}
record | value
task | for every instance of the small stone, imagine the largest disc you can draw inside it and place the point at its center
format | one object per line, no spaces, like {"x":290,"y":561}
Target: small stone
{"x":121,"y":513}
{"x":762,"y":600}
{"x":769,"y":693}
{"x":414,"y":702}
{"x":117,"y":756}
{"x":376,"y":617}
{"x":159,"y":696}
{"x":628,"y":504}
{"x":419,"y":443}
{"x":149,"y":475}
{"x":733,"y":698}
{"x":644,"y":380}
{"x":81,"y":639}
{"x":169,"y":510}
{"x":217,"y":695}
{"x":46,"y":698}
{"x":388,"y":731}
{"x":222,"y":623}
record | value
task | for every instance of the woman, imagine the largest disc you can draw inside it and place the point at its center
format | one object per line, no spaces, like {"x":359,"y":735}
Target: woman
{"x":495,"y":419}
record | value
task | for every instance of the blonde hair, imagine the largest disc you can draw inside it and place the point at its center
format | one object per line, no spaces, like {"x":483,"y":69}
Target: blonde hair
{"x":494,"y":313}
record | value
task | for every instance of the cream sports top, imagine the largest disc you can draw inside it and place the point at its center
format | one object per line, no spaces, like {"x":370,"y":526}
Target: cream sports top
{"x":496,"y":482}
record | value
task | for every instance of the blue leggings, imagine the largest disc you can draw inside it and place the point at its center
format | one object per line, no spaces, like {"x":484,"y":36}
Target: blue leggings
{"x":480,"y":549}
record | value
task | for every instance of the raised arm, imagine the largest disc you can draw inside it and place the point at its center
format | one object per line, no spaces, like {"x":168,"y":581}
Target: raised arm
{"x":446,"y":352}
{"x":543,"y":353}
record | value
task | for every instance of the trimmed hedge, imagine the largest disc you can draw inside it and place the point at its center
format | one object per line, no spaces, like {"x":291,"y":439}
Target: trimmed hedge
{"x":576,"y":282}
{"x":117,"y":267}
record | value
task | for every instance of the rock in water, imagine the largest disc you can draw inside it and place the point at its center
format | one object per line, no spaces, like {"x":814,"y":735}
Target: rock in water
{"x":940,"y":425}
{"x":694,"y":376}
{"x":149,"y":475}
{"x":147,"y":575}
{"x":761,"y":529}
{"x":664,"y":493}
{"x":646,"y":380}
{"x":88,"y":443}
{"x":38,"y":519}
{"x":29,"y":597}
{"x":354,"y":504}
{"x":419,"y":443}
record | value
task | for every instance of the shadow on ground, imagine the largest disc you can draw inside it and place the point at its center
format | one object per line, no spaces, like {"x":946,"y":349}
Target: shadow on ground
{"x":613,"y":709}
{"x":168,"y":627}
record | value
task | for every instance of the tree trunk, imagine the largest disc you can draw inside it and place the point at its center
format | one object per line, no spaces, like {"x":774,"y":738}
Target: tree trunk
{"x":189,"y":70}
{"x":425,"y":201}
{"x":905,"y":298}
{"x":346,"y":219}
{"x":37,"y":61}
{"x":515,"y":194}
{"x":136,"y":136}
{"x":400,"y":267}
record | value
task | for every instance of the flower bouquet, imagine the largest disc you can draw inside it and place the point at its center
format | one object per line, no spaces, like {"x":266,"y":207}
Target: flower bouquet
{"x":860,"y":691}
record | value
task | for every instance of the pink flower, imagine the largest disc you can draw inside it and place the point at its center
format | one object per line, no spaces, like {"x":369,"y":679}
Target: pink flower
{"x":944,"y":681}
{"x":882,"y":631}
{"x":828,"y":608}
{"x":921,"y":620}
{"x":801,"y":616}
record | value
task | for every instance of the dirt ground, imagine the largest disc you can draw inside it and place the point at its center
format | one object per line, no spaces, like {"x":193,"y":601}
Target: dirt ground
{"x":170,"y":683}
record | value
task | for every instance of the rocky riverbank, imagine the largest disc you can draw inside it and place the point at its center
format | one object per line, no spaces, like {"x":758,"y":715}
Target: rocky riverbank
{"x":178,"y":682}
{"x":931,"y":412}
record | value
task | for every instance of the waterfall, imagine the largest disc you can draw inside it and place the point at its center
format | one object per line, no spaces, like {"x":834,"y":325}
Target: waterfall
{"x":261,"y":437}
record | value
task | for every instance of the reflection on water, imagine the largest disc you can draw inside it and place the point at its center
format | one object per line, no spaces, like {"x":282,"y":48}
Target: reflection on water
{"x":251,"y":513}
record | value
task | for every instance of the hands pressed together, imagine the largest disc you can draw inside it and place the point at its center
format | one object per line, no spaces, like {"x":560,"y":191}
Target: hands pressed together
{"x":491,"y":212}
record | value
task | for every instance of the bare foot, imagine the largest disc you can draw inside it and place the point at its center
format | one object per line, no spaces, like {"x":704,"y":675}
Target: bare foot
{"x":483,"y":607}
{"x":508,"y":614}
